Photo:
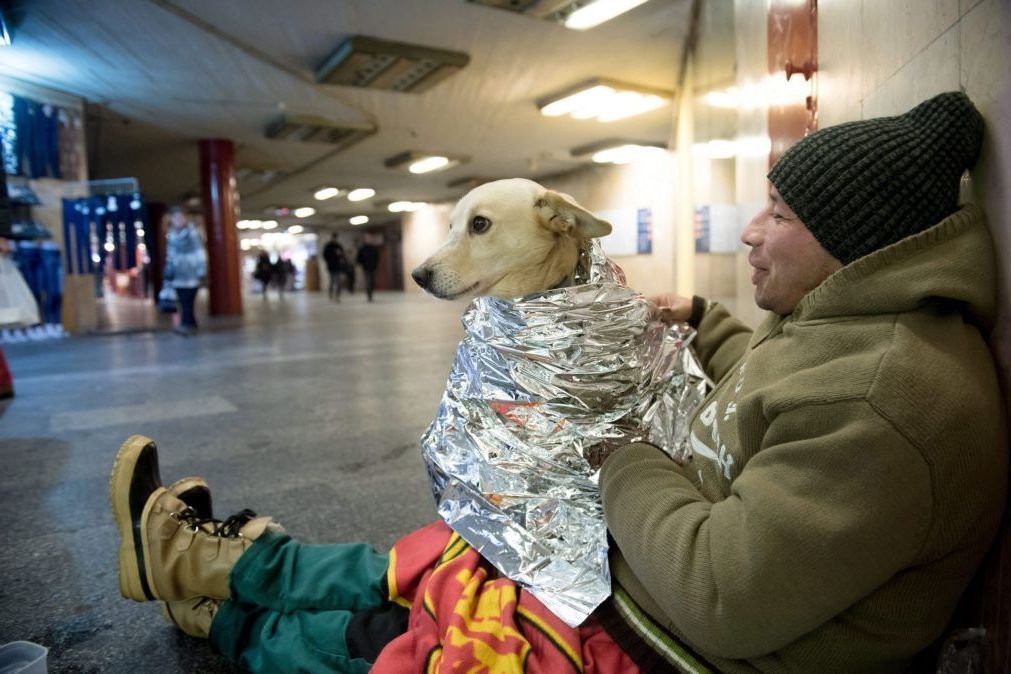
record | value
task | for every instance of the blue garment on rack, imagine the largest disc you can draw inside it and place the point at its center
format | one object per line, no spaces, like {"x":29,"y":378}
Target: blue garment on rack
{"x":52,"y":283}
{"x":36,"y":139}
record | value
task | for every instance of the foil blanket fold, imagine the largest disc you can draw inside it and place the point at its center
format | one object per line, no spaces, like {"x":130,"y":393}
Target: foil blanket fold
{"x":543,"y":387}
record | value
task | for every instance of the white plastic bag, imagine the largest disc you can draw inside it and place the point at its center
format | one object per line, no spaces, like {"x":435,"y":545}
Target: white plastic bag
{"x":17,"y":303}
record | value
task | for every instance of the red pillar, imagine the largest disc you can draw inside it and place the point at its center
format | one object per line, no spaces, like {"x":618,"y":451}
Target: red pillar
{"x":220,"y":203}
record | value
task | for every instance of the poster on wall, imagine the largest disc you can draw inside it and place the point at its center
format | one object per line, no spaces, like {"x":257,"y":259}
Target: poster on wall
{"x":717,"y":228}
{"x":631,"y":231}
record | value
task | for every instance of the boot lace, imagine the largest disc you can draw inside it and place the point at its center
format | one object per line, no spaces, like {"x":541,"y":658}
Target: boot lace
{"x":228,"y":528}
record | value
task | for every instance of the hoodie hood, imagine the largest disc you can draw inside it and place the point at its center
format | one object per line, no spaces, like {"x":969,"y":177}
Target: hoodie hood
{"x":950,"y":264}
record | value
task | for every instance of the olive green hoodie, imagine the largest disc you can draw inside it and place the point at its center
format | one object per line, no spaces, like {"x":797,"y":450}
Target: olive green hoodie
{"x":848,"y":474}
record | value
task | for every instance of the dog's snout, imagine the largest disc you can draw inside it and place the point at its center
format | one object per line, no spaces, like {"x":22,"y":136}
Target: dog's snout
{"x":422,"y":276}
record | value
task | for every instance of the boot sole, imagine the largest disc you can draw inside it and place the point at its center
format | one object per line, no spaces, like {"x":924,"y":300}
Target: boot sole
{"x":132,"y":561}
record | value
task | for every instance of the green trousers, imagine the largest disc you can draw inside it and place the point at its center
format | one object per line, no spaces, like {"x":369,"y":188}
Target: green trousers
{"x":297,"y":607}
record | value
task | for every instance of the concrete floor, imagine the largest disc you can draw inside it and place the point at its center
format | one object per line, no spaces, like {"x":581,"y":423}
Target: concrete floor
{"x":308,"y":411}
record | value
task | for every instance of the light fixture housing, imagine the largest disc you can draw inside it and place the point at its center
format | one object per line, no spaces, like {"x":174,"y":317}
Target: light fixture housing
{"x":423,"y":162}
{"x":305,"y":212}
{"x":309,"y":129}
{"x":619,"y":151}
{"x":362,"y":61}
{"x":605,"y":100}
{"x":359,"y":220}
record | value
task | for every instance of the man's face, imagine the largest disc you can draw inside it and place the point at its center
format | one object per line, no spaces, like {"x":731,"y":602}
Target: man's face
{"x":787,"y":262}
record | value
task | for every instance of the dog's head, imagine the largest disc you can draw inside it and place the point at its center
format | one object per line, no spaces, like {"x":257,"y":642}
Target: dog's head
{"x":508,"y":238}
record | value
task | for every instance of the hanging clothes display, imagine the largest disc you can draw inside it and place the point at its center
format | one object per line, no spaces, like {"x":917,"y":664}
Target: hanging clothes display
{"x":31,"y":132}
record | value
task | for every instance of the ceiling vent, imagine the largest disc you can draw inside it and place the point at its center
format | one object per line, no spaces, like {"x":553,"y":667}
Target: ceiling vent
{"x":542,"y":9}
{"x":371,"y":63}
{"x":318,"y":130}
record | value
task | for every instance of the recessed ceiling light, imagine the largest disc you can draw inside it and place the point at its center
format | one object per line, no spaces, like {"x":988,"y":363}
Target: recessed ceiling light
{"x":305,"y":212}
{"x":361,"y":193}
{"x":296,"y":229}
{"x":596,"y":13}
{"x":359,"y":220}
{"x":269,"y":224}
{"x":325,"y":193}
{"x":604,"y":100}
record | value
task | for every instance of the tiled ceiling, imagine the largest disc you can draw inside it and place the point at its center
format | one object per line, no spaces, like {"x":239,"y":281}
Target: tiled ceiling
{"x":164,"y":73}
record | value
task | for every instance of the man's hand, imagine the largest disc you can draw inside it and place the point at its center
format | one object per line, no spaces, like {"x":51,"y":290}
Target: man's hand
{"x":672,"y":308}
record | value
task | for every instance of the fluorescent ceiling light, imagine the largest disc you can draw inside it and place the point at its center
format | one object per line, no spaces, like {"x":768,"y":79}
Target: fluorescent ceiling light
{"x":406,"y":206}
{"x":305,"y":212}
{"x":361,"y":193}
{"x":325,"y":193}
{"x":423,"y":162}
{"x":624,"y":154}
{"x":604,"y":100}
{"x":269,"y":224}
{"x":296,"y":229}
{"x":748,"y":146}
{"x":774,"y":90}
{"x":598,"y":12}
{"x":359,"y":220}
{"x":620,"y":151}
{"x":429,"y":164}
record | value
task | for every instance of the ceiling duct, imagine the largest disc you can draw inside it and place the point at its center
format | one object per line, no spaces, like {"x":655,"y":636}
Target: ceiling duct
{"x":371,"y":63}
{"x":469,"y":182}
{"x":541,"y":9}
{"x":317,"y":130}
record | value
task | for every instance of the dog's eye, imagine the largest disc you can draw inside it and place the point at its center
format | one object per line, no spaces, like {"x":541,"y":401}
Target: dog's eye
{"x":480,"y":224}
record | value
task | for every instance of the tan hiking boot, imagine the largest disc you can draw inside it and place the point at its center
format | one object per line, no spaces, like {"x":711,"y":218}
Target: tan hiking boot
{"x":192,"y":616}
{"x":167,"y":550}
{"x":194,"y":492}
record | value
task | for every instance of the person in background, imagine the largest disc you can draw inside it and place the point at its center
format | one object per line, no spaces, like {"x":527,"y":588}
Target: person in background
{"x":263,"y":271}
{"x":368,"y":258}
{"x":280,"y":274}
{"x":333,"y":256}
{"x":848,"y":470}
{"x":185,"y":266}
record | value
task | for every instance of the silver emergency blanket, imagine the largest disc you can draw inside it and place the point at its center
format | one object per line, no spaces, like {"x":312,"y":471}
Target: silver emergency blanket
{"x":540,"y":387}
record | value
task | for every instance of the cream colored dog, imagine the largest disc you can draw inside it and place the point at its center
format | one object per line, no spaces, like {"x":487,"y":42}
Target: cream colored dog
{"x":509,"y":238}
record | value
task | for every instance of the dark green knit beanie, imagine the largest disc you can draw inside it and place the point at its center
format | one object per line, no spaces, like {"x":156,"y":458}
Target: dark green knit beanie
{"x":864,"y":185}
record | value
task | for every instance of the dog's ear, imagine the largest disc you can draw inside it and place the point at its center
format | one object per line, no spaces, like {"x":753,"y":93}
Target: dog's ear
{"x":559,"y":213}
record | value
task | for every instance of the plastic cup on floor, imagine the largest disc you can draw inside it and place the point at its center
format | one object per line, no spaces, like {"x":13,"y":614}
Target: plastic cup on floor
{"x":23,"y":657}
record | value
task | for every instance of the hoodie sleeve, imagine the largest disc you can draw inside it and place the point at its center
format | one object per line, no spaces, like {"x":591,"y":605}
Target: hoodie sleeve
{"x":721,"y":341}
{"x":811,"y":525}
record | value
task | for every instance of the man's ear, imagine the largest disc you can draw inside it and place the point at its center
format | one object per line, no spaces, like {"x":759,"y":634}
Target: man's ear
{"x":559,"y":213}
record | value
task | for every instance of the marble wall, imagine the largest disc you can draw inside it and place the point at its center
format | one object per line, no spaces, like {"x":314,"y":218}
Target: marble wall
{"x":881,"y":58}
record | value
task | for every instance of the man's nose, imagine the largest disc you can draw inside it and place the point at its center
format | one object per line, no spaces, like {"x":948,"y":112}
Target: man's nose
{"x":750,"y":235}
{"x":422,"y":276}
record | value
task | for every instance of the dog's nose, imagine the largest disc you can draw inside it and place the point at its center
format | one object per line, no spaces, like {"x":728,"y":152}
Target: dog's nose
{"x":422,"y":276}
